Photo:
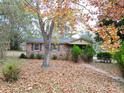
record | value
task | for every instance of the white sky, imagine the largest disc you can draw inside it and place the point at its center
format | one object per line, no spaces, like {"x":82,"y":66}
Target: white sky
{"x":92,"y":23}
{"x":80,"y":26}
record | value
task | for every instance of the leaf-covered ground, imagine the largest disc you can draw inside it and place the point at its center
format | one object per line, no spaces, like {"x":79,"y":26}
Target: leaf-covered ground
{"x":113,"y":69}
{"x":61,"y":77}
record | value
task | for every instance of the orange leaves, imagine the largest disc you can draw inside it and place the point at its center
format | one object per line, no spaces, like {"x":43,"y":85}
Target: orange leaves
{"x":101,"y":33}
{"x":113,"y":9}
{"x":74,"y":1}
{"x":62,"y":15}
{"x":109,"y":35}
{"x":45,"y":1}
{"x":115,"y":38}
{"x":121,"y":3}
{"x":116,"y":45}
{"x":62,"y":12}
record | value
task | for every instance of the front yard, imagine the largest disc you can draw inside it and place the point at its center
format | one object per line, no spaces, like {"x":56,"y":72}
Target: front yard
{"x":61,"y":77}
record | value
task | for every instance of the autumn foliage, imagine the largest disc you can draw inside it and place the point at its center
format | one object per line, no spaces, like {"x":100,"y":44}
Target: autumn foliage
{"x":113,"y":12}
{"x":109,"y":35}
{"x":64,"y":12}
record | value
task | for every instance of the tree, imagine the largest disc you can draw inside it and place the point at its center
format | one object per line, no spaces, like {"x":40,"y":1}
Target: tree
{"x":16,"y":21}
{"x":15,"y":41}
{"x":57,"y":13}
{"x":4,"y":43}
{"x":112,"y":9}
{"x":110,"y":13}
{"x":110,"y":38}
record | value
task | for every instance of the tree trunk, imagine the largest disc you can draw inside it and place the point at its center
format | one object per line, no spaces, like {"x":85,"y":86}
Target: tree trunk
{"x":47,"y":36}
{"x":47,"y":54}
{"x":2,"y":53}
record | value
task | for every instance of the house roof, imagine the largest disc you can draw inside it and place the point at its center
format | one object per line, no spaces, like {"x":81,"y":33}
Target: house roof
{"x":35,"y":40}
{"x":81,"y":41}
{"x":61,"y":41}
{"x":40,"y":40}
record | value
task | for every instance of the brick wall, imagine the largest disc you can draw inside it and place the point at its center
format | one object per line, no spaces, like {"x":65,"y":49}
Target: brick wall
{"x":63,"y":51}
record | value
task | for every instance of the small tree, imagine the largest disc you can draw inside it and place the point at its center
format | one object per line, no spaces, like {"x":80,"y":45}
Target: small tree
{"x":76,"y":52}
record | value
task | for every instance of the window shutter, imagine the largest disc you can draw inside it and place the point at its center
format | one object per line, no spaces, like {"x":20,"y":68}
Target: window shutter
{"x":40,"y":46}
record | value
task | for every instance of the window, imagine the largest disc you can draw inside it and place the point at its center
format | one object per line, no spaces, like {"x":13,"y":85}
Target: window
{"x":36,"y":47}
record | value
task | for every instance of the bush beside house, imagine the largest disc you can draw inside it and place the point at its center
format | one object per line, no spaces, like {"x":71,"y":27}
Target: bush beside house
{"x":76,"y":52}
{"x":23,"y":56}
{"x":88,"y":53}
{"x":32,"y":56}
{"x":54,"y":57}
{"x":39,"y":56}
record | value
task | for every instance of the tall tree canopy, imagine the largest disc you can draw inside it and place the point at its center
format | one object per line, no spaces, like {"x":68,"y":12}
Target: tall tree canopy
{"x":111,"y":12}
{"x":16,"y":21}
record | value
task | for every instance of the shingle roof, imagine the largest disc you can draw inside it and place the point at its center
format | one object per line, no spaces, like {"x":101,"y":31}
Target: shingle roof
{"x":35,"y":40}
{"x":65,"y":40}
{"x":40,"y":40}
{"x":61,"y":41}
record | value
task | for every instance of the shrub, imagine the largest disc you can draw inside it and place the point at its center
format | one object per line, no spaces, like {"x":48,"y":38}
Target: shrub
{"x":11,"y":71}
{"x":39,"y":56}
{"x":76,"y":51}
{"x":88,"y":53}
{"x":32,"y":56}
{"x":23,"y":56}
{"x":119,"y":56}
{"x":54,"y":57}
{"x":104,"y":55}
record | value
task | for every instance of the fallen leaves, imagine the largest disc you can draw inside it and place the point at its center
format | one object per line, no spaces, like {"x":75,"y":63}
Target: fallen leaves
{"x":61,"y":77}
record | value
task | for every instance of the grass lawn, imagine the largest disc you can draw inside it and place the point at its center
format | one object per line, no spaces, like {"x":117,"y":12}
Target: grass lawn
{"x":60,"y":77}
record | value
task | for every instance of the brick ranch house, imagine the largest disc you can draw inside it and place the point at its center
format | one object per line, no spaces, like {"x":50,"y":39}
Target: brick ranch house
{"x":61,"y":49}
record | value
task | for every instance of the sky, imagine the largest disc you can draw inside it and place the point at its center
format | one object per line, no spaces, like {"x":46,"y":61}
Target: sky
{"x":80,"y":26}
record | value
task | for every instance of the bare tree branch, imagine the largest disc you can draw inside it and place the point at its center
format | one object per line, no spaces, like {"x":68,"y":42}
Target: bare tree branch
{"x":84,"y":7}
